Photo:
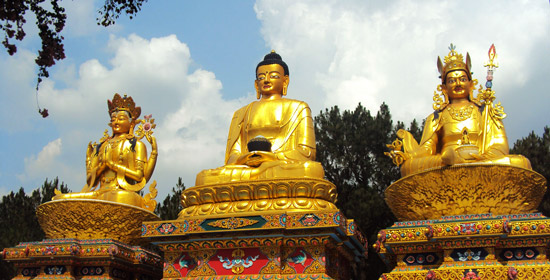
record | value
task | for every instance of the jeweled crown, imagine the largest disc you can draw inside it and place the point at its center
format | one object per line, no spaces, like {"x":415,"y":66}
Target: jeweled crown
{"x":125,"y":103}
{"x":453,"y":62}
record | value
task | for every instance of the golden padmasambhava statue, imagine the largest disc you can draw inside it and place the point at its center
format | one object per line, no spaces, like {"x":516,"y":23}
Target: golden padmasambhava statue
{"x":117,"y":168}
{"x":270,"y":157}
{"x":462,"y":164}
{"x":270,"y":138}
{"x":462,"y":130}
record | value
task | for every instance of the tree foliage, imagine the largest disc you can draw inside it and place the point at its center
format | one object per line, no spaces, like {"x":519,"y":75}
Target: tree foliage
{"x":537,"y":150}
{"x":171,"y":206}
{"x":112,"y":9}
{"x":351,"y":146}
{"x":50,"y":20}
{"x":18,"y":221}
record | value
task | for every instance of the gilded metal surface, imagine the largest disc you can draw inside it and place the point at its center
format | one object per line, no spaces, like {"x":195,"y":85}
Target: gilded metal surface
{"x":287,"y":124}
{"x":92,"y":219}
{"x":292,"y":194}
{"x":295,"y":220}
{"x":117,"y":168}
{"x":457,"y":112}
{"x":466,"y":189}
{"x":232,"y":223}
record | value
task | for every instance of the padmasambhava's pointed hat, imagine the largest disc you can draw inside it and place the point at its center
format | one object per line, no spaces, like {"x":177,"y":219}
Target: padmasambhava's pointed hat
{"x":453,"y":62}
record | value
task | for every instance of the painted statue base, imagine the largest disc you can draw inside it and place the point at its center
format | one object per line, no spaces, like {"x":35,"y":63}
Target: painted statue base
{"x":466,"y":189}
{"x":100,"y":259}
{"x":483,"y":246}
{"x":262,"y":245}
{"x":93,"y":219}
{"x":275,"y":195}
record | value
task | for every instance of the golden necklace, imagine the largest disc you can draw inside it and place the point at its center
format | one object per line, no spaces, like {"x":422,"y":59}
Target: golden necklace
{"x":461,"y":114}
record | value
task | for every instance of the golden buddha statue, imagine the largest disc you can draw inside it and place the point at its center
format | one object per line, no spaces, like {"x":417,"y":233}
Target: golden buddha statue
{"x":462,"y":165}
{"x":270,"y":138}
{"x":462,"y":130}
{"x":117,"y":168}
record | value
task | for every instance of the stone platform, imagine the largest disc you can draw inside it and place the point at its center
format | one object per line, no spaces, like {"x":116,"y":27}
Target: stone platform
{"x":481,"y":246}
{"x":96,"y":259}
{"x":261,"y":245}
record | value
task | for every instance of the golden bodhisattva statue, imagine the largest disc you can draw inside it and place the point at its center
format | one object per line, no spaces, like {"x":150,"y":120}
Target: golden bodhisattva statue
{"x":270,"y":138}
{"x":462,"y":164}
{"x":117,"y":168}
{"x":458,"y":116}
{"x":270,"y":157}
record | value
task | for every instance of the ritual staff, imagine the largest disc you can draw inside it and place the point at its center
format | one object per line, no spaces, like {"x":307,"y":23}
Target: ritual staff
{"x":269,"y":138}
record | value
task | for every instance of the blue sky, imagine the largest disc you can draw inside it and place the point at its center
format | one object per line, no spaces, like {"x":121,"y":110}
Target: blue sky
{"x":191,"y":64}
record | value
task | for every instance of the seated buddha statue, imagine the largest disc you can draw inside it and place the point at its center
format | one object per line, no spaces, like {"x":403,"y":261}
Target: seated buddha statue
{"x":117,"y":168}
{"x":462,"y":130}
{"x":269,"y":138}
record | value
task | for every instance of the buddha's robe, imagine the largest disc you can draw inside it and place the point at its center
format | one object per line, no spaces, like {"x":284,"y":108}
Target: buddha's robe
{"x":288,"y":125}
{"x":442,"y":134}
{"x":107,"y":184}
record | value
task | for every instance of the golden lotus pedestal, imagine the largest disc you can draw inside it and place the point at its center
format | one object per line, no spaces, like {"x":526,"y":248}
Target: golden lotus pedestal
{"x":263,"y":229}
{"x":444,"y":233}
{"x":87,"y":239}
{"x":466,"y":189}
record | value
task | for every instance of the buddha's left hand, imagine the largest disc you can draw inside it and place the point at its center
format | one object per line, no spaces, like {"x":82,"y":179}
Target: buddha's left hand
{"x":256,"y":158}
{"x":490,"y":154}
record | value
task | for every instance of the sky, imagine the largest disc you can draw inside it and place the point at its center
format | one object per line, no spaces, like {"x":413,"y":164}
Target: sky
{"x":191,"y":64}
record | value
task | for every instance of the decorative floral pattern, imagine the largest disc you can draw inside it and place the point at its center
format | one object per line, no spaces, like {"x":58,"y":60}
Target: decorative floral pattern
{"x":512,"y":273}
{"x":232,"y":223}
{"x":471,"y":275}
{"x":309,"y":220}
{"x":238,"y":263}
{"x":431,"y":275}
{"x":166,"y":228}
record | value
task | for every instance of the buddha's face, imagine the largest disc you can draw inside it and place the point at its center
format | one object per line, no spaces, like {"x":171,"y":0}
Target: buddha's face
{"x":271,"y":80}
{"x":120,"y":122}
{"x":458,"y":85}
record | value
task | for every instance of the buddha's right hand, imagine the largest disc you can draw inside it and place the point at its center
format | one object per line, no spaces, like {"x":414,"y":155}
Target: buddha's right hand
{"x":256,"y":158}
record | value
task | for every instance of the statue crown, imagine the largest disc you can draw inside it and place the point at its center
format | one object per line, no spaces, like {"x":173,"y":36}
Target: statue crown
{"x":453,"y":62}
{"x":125,"y":103}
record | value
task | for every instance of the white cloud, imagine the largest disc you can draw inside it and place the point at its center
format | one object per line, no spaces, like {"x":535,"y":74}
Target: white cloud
{"x":339,"y":53}
{"x":345,"y":52}
{"x":18,"y":102}
{"x":44,"y":164}
{"x":192,"y":117}
{"x":81,"y":18}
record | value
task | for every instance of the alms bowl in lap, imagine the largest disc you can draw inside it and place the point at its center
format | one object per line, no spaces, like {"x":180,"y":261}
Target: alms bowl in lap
{"x":466,"y":189}
{"x":285,"y":194}
{"x":92,"y":219}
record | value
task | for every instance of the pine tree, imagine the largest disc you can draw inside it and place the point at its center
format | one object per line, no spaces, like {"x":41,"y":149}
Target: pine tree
{"x":18,"y":221}
{"x":171,"y":206}
{"x":351,"y":146}
{"x":537,"y":150}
